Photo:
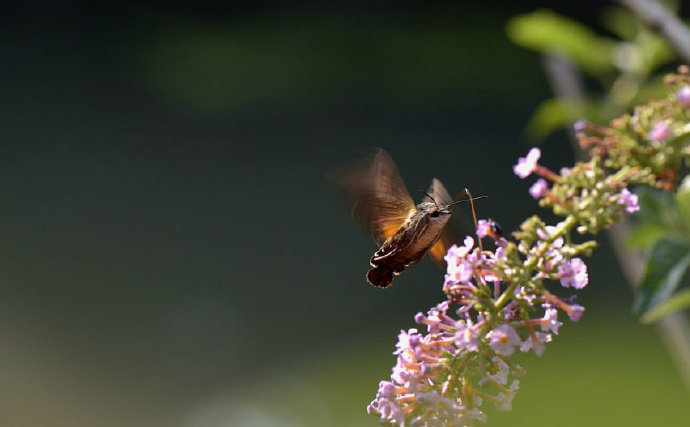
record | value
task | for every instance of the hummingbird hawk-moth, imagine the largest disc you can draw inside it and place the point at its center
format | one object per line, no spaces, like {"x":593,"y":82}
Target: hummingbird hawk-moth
{"x":404,"y":231}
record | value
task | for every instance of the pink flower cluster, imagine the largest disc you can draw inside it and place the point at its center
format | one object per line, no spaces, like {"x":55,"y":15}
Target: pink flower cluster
{"x":445,"y":375}
{"x":434,"y":381}
{"x":526,"y":165}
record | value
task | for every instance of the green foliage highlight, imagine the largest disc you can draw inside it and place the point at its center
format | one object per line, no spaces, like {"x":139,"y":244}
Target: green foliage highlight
{"x":545,"y":31}
{"x":555,"y":113}
{"x":623,"y":68}
{"x":679,"y":301}
{"x":663,"y":227}
{"x":665,"y":268}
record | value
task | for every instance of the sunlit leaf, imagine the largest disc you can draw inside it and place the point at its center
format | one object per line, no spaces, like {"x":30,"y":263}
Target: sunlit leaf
{"x":548,"y":32}
{"x":665,"y":268}
{"x":655,"y":51}
{"x":554,"y":114}
{"x":679,"y":301}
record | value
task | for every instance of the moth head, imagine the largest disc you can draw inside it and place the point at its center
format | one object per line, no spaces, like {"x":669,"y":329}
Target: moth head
{"x":440,"y":211}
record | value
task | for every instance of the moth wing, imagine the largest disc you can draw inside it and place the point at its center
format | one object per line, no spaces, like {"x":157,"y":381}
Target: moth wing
{"x":457,"y":227}
{"x":438,"y":251}
{"x":439,"y":193}
{"x":374,"y":187}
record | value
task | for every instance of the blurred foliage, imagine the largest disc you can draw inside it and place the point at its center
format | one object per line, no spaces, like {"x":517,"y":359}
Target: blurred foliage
{"x":663,"y":230}
{"x":603,"y":383}
{"x":624,"y":70}
{"x":225,"y":66}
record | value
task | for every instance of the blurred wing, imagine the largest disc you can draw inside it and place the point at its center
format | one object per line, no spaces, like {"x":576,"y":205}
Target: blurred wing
{"x":456,"y":229}
{"x":439,"y":193}
{"x":438,"y":251}
{"x":377,"y":193}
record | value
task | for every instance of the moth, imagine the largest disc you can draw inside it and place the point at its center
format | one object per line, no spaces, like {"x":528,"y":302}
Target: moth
{"x":405,"y":231}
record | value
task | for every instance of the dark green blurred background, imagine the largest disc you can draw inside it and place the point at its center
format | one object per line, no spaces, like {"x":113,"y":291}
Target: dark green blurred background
{"x":173,"y":255}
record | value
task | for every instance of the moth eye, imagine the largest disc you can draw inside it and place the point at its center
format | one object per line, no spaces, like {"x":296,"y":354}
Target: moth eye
{"x":434,"y":214}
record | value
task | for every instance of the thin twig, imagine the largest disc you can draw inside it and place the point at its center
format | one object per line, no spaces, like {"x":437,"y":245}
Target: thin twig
{"x":565,"y":81}
{"x":657,"y":16}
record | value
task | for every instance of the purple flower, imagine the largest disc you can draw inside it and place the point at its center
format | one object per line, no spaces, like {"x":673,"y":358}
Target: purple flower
{"x":573,"y":273}
{"x":459,"y":271}
{"x":524,"y":294}
{"x":458,"y":267}
{"x":659,"y":132}
{"x":501,"y":376}
{"x":546,"y":232}
{"x":402,"y":371}
{"x":536,"y":343}
{"x":483,"y":228}
{"x":683,"y":96}
{"x":539,"y":188}
{"x":407,"y":340}
{"x":503,"y":339}
{"x":551,"y":320}
{"x":455,"y":251}
{"x":575,"y":312}
{"x":580,"y":125}
{"x":553,"y":256}
{"x":526,"y":165}
{"x":386,"y":405}
{"x":500,"y":253}
{"x":629,"y":200}
{"x":466,"y":336}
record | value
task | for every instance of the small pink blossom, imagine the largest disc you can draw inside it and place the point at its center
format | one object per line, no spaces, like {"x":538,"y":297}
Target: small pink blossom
{"x":573,"y":273}
{"x":539,"y":188}
{"x":536,"y":343}
{"x":580,"y":125}
{"x":456,"y":251}
{"x":504,"y":339}
{"x":546,"y":232}
{"x":683,"y":96}
{"x":467,"y":336}
{"x":526,"y":165}
{"x":407,"y":340}
{"x":483,"y":228}
{"x":575,"y":312}
{"x":629,"y":200}
{"x":550,"y":320}
{"x":659,"y":132}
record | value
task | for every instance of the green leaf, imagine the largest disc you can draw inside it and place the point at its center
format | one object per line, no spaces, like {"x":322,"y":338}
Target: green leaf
{"x":554,"y":114}
{"x":652,"y":88}
{"x":545,"y":31}
{"x":657,"y":206}
{"x":620,"y":22}
{"x":666,"y":265}
{"x":679,"y":301}
{"x":654,"y":50}
{"x":646,"y":234}
{"x":683,"y":203}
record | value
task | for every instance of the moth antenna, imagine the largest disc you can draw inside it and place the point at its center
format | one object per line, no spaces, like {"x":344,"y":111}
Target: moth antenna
{"x":466,"y":200}
{"x":429,"y":196}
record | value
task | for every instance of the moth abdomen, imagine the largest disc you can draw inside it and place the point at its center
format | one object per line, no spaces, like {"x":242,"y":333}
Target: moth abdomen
{"x":380,"y":276}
